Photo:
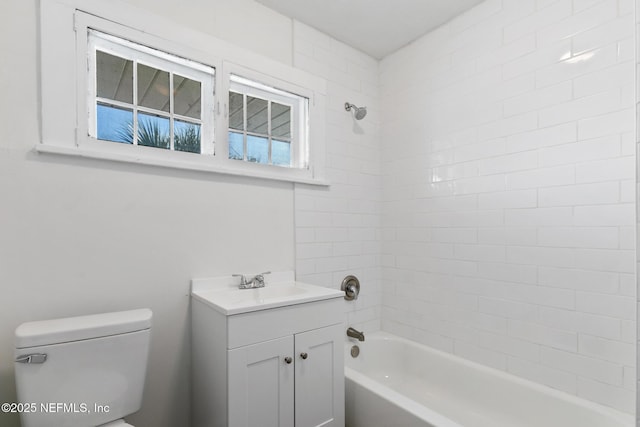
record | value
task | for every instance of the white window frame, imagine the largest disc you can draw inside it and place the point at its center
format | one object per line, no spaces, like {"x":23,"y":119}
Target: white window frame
{"x":65,"y":97}
{"x":298,"y":104}
{"x":143,"y":55}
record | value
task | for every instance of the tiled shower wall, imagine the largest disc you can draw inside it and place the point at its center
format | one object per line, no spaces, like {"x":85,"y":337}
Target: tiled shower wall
{"x":338,"y":227}
{"x":508,"y":213}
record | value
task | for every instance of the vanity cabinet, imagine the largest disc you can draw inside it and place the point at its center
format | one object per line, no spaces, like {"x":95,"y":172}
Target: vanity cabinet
{"x":278,"y":367}
{"x":265,"y":380}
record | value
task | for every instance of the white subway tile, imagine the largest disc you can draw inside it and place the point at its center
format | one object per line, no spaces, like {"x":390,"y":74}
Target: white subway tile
{"x":480,"y":150}
{"x":582,"y":365}
{"x":541,"y":58}
{"x":508,"y":199}
{"x":481,"y":355}
{"x":605,"y":215}
{"x":508,"y":163}
{"x":508,"y":126}
{"x":454,"y":235}
{"x":491,"y":253}
{"x":607,"y":349}
{"x":580,"y":194}
{"x":547,"y":98}
{"x":607,"y":124}
{"x":605,"y":260}
{"x":588,"y":106}
{"x":508,"y":236}
{"x":629,"y":332}
{"x":508,"y":272}
{"x":606,"y":33}
{"x":583,"y":151}
{"x":542,"y":18}
{"x":551,"y":377}
{"x":548,"y":257}
{"x":615,"y":306}
{"x":583,"y":280}
{"x":583,"y":323}
{"x":554,"y":135}
{"x":628,"y":284}
{"x":546,"y":336}
{"x":620,"y":168}
{"x":542,"y":177}
{"x":540,"y":295}
{"x":603,"y":80}
{"x":480,"y":184}
{"x":538,"y":217}
{"x":579,"y":237}
{"x":570,"y":67}
{"x":508,"y":309}
{"x":577,"y":23}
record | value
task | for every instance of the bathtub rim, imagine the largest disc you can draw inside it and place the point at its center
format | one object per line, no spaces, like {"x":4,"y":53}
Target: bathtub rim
{"x":432,"y":416}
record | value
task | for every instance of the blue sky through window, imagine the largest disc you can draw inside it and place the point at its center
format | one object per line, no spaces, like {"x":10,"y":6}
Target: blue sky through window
{"x":113,"y":123}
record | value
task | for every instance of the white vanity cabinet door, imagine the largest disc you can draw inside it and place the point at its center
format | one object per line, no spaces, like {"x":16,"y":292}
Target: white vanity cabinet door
{"x":319,"y":387}
{"x":261,"y":384}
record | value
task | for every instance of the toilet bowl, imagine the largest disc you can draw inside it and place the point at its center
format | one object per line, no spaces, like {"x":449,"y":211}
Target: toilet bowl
{"x":59,"y":362}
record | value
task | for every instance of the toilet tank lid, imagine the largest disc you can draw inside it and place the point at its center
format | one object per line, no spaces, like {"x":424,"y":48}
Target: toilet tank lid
{"x":57,"y":331}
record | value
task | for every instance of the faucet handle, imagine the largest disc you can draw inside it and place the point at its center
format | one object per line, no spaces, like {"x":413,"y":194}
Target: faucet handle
{"x":243,"y":279}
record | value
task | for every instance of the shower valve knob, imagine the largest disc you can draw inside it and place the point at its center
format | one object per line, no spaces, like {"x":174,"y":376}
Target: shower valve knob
{"x":351,"y":287}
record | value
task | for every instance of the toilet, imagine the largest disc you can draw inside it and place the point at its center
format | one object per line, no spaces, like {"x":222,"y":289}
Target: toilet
{"x":82,"y":371}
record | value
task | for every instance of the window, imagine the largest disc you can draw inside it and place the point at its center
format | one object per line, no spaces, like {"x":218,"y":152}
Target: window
{"x":145,"y":97}
{"x":266,"y":125}
{"x":120,"y":84}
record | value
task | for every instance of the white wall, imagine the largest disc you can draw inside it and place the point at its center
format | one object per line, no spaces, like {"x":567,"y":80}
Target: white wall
{"x":508,"y":188}
{"x":80,"y":236}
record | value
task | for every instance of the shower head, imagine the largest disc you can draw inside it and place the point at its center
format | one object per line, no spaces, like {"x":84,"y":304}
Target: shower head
{"x":358,"y":112}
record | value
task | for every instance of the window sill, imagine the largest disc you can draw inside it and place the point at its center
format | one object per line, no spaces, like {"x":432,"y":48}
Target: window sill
{"x":247,"y":170}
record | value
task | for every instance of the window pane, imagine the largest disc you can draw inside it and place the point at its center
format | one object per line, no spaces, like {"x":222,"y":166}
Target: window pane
{"x":280,"y":120}
{"x":153,"y":88}
{"x":114,"y":77}
{"x":114,"y":124}
{"x":186,"y":136}
{"x":236,"y":147}
{"x":153,"y":131}
{"x":281,"y":153}
{"x":186,"y":97}
{"x":257,"y":115}
{"x":257,"y":149}
{"x":236,"y":111}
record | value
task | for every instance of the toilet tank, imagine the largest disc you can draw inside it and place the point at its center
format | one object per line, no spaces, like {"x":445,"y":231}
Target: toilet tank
{"x":82,"y":371}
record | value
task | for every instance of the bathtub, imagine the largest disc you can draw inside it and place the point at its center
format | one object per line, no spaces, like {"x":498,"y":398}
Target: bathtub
{"x":395,"y":382}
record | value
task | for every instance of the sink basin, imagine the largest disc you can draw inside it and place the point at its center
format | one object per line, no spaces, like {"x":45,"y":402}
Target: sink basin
{"x":261,"y":295}
{"x":223,"y":294}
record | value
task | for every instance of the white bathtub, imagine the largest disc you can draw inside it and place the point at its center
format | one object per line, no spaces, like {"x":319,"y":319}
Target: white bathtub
{"x":398,"y":383}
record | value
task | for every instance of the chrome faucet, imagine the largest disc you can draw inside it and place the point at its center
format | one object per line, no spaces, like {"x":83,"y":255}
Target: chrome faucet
{"x":256,"y":281}
{"x":355,"y":334}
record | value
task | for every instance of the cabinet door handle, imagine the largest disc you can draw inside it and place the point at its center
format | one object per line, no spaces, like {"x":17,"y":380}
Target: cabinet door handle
{"x":304,"y":356}
{"x":288,"y":360}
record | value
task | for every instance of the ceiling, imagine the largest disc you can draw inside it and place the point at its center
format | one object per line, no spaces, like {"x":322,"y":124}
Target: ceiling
{"x":376,"y":27}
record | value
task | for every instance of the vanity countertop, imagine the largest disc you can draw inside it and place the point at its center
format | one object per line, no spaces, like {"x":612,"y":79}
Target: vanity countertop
{"x":281,"y":289}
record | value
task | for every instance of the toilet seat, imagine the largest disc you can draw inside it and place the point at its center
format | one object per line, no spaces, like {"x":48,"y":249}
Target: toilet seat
{"x":116,"y":423}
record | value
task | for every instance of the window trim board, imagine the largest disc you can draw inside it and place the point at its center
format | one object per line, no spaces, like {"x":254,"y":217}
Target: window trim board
{"x":64,"y":124}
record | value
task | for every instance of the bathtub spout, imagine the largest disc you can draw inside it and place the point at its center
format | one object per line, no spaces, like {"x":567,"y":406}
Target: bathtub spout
{"x":355,"y":334}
